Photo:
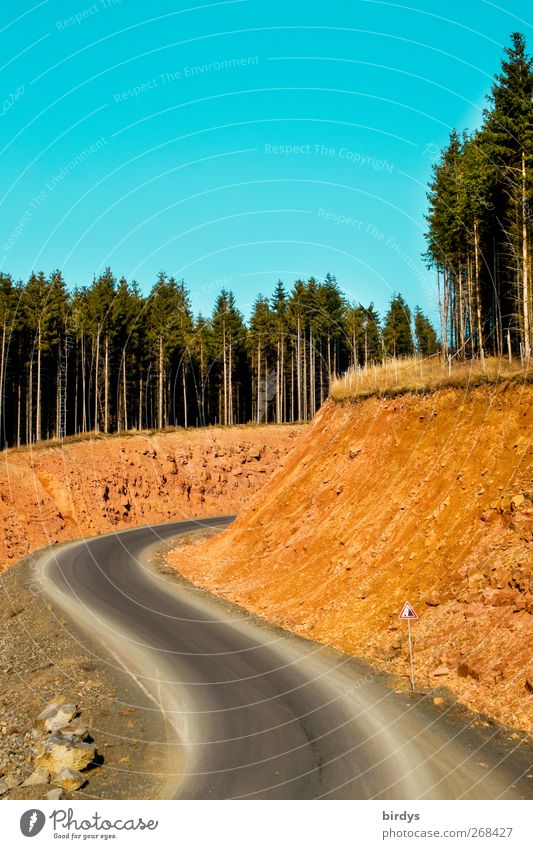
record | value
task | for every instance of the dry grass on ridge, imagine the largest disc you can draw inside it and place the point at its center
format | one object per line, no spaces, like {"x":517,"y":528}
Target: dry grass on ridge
{"x":414,"y":374}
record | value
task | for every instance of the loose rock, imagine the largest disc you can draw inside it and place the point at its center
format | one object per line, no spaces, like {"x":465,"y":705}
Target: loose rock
{"x":64,"y":750}
{"x":55,"y":795}
{"x":56,"y":716}
{"x":40,"y":776}
{"x":7,"y":783}
{"x":69,"y":779}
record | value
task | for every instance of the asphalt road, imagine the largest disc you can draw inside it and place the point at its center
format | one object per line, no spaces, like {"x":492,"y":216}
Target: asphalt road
{"x":261,"y":713}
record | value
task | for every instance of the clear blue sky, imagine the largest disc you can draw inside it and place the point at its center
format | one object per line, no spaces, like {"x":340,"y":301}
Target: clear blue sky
{"x":232,"y":143}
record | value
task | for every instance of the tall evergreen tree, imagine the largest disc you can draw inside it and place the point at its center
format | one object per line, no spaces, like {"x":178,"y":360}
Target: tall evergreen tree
{"x":426,"y":338}
{"x":397,"y":335}
{"x":508,"y":131}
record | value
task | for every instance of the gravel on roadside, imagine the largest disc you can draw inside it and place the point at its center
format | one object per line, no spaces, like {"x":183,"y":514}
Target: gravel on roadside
{"x":44,"y":658}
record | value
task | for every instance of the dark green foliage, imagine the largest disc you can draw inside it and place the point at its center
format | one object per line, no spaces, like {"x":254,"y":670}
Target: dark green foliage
{"x":426,"y":338}
{"x":106,"y":358}
{"x":397,"y":335}
{"x":480,"y":221}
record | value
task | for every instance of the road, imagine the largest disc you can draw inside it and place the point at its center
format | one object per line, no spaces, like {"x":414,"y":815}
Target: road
{"x":261,"y":713}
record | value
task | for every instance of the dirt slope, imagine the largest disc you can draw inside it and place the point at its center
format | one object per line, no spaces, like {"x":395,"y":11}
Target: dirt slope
{"x":53,"y":494}
{"x":419,"y":498}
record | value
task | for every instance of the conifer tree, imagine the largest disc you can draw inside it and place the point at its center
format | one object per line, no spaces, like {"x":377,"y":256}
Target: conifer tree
{"x":426,"y":338}
{"x":397,"y":335}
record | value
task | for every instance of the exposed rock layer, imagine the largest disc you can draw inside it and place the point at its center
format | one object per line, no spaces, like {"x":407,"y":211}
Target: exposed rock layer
{"x":426,"y":499}
{"x":53,"y":494}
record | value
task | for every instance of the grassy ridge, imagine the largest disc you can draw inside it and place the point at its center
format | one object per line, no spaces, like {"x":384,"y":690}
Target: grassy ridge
{"x":420,"y":376}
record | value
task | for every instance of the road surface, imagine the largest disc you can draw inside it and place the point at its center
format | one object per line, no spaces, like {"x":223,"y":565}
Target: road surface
{"x":261,"y":713}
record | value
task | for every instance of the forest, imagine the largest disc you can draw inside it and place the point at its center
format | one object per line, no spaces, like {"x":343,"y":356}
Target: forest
{"x":107,"y":358}
{"x":480,"y":221}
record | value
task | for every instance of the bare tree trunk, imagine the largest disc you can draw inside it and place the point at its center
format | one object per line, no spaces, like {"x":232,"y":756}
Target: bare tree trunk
{"x":445,"y":312}
{"x":83,"y":389}
{"x":282,"y":381}
{"x":76,"y":391}
{"x":265,"y":386}
{"x":470,"y":300}
{"x":184,"y":379}
{"x":230,"y":384}
{"x":2,"y":370}
{"x":478,"y":290}
{"x":18,"y":412}
{"x":305,"y":376}
{"x":29,"y":416}
{"x":106,"y":384}
{"x":38,"y":401}
{"x":65,"y":388}
{"x":460,"y":315}
{"x":97,"y":385}
{"x":440,"y":306}
{"x":124,"y":389}
{"x":312,"y":376}
{"x":166,"y":401}
{"x":525,"y":265}
{"x":200,"y":394}
{"x":160,"y":391}
{"x":57,"y":426}
{"x":259,"y":379}
{"x":277,"y":403}
{"x":292,"y":383}
{"x":321,"y":376}
{"x":299,"y":370}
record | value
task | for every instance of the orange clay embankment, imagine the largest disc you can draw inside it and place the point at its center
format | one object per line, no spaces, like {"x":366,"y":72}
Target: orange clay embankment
{"x":425,"y":498}
{"x":52,"y":494}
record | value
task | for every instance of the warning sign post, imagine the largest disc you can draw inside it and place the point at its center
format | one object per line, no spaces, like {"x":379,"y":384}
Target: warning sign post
{"x":409,"y":613}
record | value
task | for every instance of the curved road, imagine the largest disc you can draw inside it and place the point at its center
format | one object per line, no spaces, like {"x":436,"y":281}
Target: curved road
{"x":262,"y":714}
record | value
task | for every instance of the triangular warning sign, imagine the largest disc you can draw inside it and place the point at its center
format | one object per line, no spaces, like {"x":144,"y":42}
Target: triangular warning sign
{"x":408,"y":612}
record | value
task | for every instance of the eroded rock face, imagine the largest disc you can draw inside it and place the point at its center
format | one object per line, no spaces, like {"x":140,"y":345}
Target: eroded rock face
{"x":54,"y":494}
{"x":436,"y":507}
{"x":64,"y":750}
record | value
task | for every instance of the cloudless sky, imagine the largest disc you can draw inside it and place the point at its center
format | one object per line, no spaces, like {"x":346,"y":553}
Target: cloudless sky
{"x":233,"y":143}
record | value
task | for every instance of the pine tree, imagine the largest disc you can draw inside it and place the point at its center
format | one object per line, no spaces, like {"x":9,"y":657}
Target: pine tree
{"x":297,"y":325}
{"x":98,"y":303}
{"x":230,"y":347}
{"x":397,"y":336}
{"x":8,"y":306}
{"x":261,"y":337}
{"x":508,"y":131}
{"x":279,"y":307}
{"x":426,"y":338}
{"x":202,"y":348}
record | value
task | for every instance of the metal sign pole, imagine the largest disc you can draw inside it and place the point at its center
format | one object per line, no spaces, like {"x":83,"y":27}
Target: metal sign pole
{"x":411,"y":654}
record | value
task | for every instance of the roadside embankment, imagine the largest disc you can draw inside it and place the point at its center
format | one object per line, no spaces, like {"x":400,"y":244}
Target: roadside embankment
{"x":50,"y":494}
{"x":426,"y":498}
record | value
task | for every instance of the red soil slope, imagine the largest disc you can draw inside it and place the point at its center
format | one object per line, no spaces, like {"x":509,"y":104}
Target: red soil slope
{"x":52,"y":494}
{"x":421,"y":498}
